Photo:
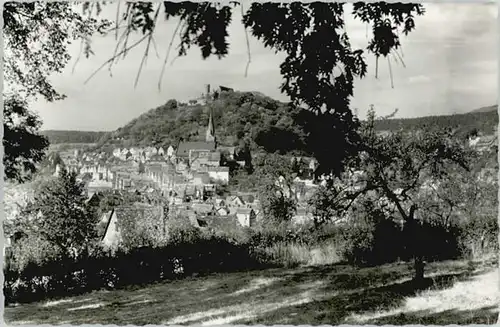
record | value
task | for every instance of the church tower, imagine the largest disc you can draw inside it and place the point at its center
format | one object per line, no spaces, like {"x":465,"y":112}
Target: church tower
{"x":210,"y":134}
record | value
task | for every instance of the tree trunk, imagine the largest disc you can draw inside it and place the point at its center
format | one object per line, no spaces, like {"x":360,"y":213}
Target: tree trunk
{"x":419,"y":268}
{"x":415,"y":247}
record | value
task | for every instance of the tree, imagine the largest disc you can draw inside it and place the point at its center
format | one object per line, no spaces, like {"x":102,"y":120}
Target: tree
{"x":59,"y":213}
{"x":36,"y":36}
{"x":328,"y":203}
{"x":469,"y":200}
{"x":275,"y":175}
{"x":400,"y":166}
{"x":23,"y":146}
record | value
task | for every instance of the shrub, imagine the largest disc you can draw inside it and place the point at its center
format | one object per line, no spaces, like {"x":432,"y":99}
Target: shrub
{"x":357,"y":241}
{"x":31,"y":249}
{"x":189,"y":251}
{"x":374,"y":240}
{"x":478,"y":235}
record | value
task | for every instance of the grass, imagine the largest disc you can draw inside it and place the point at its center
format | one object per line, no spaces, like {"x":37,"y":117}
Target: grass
{"x":328,"y":294}
{"x":290,"y":254}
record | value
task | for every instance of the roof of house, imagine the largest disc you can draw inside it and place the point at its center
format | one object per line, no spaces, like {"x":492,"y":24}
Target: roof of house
{"x":106,"y":219}
{"x":184,"y":147}
{"x":157,"y":157}
{"x":205,"y":178}
{"x":214,"y":156}
{"x":190,"y":190}
{"x":85,"y":176}
{"x":218,"y":169}
{"x":202,"y":207}
{"x":221,"y":221}
{"x":234,"y":198}
{"x":229,"y":149}
{"x":136,"y":211}
{"x":244,"y":211}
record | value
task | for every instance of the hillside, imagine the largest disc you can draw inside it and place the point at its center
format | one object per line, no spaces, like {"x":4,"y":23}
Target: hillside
{"x":484,"y":121}
{"x":239,"y":117}
{"x":486,"y":109}
{"x":59,"y":136}
{"x":264,"y":123}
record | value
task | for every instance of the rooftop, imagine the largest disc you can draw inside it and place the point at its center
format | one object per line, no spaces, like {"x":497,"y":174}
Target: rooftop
{"x":184,"y":147}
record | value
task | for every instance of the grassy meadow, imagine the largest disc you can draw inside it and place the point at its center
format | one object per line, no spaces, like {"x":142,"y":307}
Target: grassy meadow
{"x":455,"y":292}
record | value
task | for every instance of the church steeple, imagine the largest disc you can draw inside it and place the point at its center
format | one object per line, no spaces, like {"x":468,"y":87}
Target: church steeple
{"x":210,"y":135}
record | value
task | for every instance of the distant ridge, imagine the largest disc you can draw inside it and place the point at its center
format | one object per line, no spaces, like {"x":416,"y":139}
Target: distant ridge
{"x":486,"y":109}
{"x":62,"y":136}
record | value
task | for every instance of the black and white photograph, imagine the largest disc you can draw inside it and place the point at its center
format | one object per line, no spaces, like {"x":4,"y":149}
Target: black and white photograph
{"x":250,"y":163}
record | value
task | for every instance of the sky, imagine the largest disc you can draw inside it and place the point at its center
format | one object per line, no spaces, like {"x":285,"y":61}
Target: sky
{"x":450,"y":67}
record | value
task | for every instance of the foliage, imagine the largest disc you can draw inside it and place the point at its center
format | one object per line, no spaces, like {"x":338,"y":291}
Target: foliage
{"x":276,"y":205}
{"x":395,"y":173}
{"x":24,"y":148}
{"x":36,"y":36}
{"x":140,"y":226}
{"x":31,"y":248}
{"x":63,"y":276}
{"x":113,"y":199}
{"x":328,"y":203}
{"x":59,"y":214}
{"x":402,"y":164}
{"x":274,"y":175}
{"x":469,"y":200}
{"x":181,"y":231}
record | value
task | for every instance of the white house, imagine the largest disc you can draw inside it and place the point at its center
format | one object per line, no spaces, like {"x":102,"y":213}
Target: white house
{"x":246,"y":216}
{"x":170,"y":151}
{"x":219,"y":174}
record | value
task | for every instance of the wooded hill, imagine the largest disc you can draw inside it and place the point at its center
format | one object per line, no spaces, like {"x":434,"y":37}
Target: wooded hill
{"x":484,"y":120}
{"x":59,"y":136}
{"x":259,"y":121}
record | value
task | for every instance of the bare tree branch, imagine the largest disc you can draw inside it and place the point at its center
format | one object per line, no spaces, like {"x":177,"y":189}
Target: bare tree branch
{"x":146,"y":52}
{"x":153,"y":42}
{"x":400,"y":59}
{"x":122,"y":37}
{"x":248,"y":42}
{"x":390,"y":72}
{"x":168,"y":53}
{"x":129,"y":29}
{"x":114,"y":57}
{"x":79,"y":56}
{"x":117,"y":19}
